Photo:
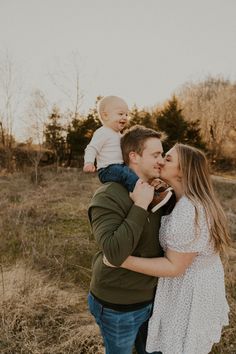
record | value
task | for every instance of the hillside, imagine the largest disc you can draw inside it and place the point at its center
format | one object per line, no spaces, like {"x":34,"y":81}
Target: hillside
{"x":46,"y":249}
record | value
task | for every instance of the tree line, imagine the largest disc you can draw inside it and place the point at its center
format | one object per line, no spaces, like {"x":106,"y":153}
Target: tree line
{"x":200,"y":114}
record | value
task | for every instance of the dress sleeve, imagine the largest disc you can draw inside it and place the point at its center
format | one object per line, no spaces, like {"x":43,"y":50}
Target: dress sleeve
{"x":183,"y":233}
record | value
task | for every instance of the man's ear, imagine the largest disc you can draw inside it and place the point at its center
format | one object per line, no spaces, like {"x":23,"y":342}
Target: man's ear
{"x":133,"y":157}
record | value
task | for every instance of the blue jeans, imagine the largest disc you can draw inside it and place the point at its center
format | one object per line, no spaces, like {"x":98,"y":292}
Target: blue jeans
{"x":120,"y":330}
{"x":118,"y":173}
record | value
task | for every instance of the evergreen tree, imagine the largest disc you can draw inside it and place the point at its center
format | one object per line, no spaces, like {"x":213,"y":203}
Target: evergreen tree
{"x":54,"y":135}
{"x":141,"y":117}
{"x":170,"y":120}
{"x":80,"y":132}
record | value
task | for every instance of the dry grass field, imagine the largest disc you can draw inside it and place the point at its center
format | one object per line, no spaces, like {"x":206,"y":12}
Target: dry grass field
{"x":45,"y":255}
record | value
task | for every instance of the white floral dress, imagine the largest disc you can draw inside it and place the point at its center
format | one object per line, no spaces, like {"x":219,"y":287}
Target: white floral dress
{"x":189,"y":310}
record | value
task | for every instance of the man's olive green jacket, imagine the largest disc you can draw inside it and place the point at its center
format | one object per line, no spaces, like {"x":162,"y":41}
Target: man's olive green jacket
{"x":122,"y":229}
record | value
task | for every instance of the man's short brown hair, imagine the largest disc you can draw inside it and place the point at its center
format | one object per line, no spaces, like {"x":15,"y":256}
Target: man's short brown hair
{"x":134,"y":140}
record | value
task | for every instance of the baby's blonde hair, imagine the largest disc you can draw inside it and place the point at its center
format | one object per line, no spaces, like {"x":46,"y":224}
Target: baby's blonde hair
{"x":102,"y":104}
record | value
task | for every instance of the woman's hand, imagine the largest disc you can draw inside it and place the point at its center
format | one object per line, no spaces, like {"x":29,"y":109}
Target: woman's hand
{"x":142,"y":194}
{"x":105,"y":261}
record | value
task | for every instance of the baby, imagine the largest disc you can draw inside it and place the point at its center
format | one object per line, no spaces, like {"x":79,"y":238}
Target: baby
{"x":104,"y":147}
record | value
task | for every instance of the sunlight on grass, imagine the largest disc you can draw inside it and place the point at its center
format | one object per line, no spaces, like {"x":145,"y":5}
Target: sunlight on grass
{"x":46,"y":250}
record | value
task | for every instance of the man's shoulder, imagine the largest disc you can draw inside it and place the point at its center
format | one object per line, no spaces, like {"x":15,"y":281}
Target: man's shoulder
{"x":110,"y":189}
{"x":111,"y":195}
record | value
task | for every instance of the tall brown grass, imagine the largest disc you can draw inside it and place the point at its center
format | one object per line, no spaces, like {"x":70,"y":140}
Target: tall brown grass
{"x":39,"y":316}
{"x":45,"y":255}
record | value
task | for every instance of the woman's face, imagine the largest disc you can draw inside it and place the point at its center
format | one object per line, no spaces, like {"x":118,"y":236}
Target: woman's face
{"x":170,"y":171}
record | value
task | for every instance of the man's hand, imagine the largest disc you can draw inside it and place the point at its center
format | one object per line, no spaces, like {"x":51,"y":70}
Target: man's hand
{"x":105,"y":261}
{"x":142,"y":194}
{"x":89,"y":167}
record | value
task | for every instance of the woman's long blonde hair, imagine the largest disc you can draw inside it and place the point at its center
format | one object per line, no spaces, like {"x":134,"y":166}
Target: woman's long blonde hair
{"x":199,"y":189}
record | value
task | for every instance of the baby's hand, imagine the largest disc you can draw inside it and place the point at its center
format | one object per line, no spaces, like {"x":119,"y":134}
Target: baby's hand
{"x":142,"y":194}
{"x":89,"y":167}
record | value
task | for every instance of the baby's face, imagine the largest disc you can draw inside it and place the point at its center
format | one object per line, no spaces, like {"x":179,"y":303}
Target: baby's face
{"x":116,"y":115}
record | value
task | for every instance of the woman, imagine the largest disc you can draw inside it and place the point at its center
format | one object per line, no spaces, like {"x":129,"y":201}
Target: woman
{"x":190,"y":306}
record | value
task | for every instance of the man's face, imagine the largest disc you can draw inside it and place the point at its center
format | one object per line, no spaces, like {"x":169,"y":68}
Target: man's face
{"x":148,"y":165}
{"x":115,"y":115}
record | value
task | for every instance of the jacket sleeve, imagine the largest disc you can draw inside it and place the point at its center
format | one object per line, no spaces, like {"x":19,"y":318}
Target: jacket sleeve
{"x":116,"y":230}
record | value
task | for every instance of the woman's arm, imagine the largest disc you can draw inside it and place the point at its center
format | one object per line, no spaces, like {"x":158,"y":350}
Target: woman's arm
{"x":172,"y":265}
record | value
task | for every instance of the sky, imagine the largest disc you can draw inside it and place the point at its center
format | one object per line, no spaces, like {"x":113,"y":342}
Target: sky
{"x":141,"y":50}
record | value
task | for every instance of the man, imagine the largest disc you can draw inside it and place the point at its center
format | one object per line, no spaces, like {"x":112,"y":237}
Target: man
{"x":121,"y":300}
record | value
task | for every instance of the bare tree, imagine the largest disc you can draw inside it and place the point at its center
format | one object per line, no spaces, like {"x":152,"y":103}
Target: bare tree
{"x":10,"y":90}
{"x":67,"y":79}
{"x":37,"y":115}
{"x":213,"y":103}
